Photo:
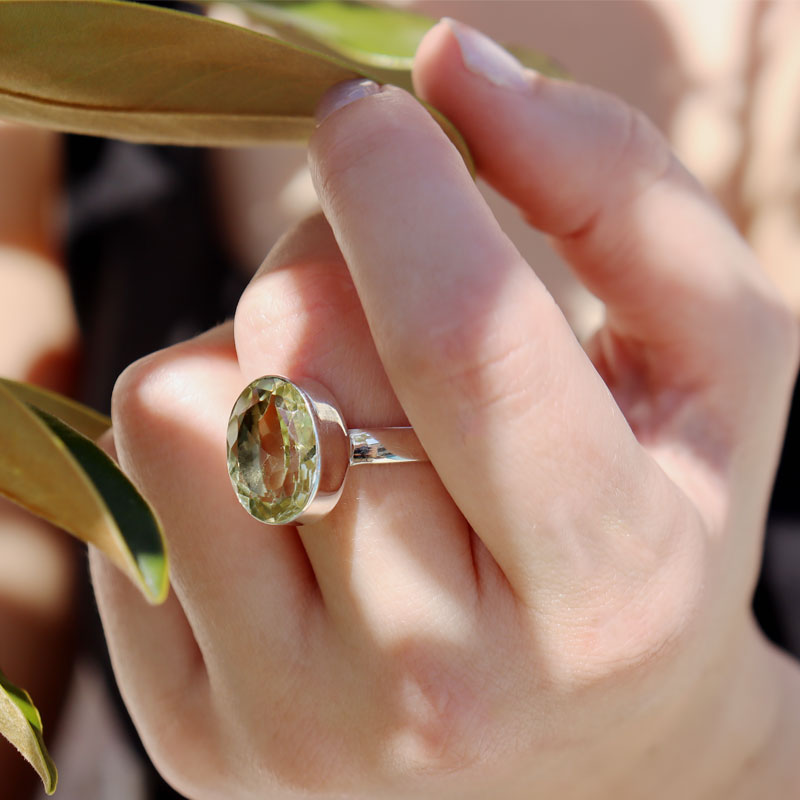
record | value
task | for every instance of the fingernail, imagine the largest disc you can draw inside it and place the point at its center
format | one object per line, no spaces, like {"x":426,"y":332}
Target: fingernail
{"x":343,"y":94}
{"x":486,"y":58}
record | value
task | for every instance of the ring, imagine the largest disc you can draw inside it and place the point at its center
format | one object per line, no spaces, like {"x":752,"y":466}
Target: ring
{"x":289,"y":450}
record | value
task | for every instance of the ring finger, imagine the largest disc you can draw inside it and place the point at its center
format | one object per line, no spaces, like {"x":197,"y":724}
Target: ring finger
{"x":170,"y":412}
{"x":395,"y":526}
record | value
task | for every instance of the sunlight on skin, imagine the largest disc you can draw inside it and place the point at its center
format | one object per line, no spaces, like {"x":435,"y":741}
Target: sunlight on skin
{"x":694,"y":54}
{"x":758,"y":201}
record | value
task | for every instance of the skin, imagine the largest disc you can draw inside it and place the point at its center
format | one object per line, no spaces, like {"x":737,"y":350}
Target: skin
{"x":558,"y":604}
{"x":720,"y":79}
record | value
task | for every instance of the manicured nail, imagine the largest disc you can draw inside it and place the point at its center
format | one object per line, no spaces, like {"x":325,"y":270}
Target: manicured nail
{"x":486,"y":58}
{"x":343,"y":94}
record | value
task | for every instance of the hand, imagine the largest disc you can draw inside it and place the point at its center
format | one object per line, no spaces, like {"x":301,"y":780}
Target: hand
{"x":556,"y":606}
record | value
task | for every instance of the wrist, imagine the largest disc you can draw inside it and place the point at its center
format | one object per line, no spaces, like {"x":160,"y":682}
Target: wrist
{"x":772,"y":768}
{"x":727,"y":728}
{"x":738,"y":740}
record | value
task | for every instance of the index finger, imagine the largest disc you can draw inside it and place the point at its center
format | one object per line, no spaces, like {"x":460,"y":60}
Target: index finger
{"x":639,"y":230}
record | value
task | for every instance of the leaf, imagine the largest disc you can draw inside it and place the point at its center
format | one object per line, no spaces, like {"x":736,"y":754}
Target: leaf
{"x":379,"y":36}
{"x":21,"y":724}
{"x":143,"y":73}
{"x":63,"y":477}
{"x":536,"y":60}
{"x":83,"y":419}
{"x":381,"y":40}
{"x":147,"y":74}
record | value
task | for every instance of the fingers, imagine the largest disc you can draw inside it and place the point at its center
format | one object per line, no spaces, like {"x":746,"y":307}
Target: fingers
{"x":697,"y":349}
{"x":159,"y":669}
{"x":158,"y":666}
{"x":518,"y":424}
{"x":170,"y":414}
{"x":395,"y":527}
{"x":136,"y":630}
{"x":301,"y":314}
{"x":681,"y":287}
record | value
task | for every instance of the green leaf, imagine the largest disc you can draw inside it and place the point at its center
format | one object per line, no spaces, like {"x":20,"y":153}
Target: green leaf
{"x":63,"y":477}
{"x":380,"y":36}
{"x":534,"y":59}
{"x":85,"y":420}
{"x":21,"y":724}
{"x":381,"y":40}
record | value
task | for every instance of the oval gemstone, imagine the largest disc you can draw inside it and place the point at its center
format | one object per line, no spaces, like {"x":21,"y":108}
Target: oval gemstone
{"x":273,"y":459}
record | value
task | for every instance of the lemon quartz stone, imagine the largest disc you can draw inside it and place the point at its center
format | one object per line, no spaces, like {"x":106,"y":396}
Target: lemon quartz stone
{"x":273,"y":458}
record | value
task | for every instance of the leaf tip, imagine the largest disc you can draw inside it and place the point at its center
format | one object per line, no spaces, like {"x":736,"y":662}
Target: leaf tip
{"x":153,"y":569}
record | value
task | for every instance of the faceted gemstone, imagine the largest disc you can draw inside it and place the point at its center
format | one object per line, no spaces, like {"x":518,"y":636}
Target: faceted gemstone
{"x":273,"y":459}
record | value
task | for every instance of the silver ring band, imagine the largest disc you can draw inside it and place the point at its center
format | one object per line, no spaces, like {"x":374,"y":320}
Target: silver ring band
{"x":384,"y":446}
{"x":289,"y":450}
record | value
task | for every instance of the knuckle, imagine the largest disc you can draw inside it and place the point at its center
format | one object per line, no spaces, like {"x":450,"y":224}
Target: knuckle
{"x":155,"y":401}
{"x":631,"y":609}
{"x":486,"y":365}
{"x":488,"y":376}
{"x":640,"y":159}
{"x":643,"y":158}
{"x":644,"y":151}
{"x":130,"y":388}
{"x":628,"y":639}
{"x":361,"y":143}
{"x":438,"y":713}
{"x":280,"y":303}
{"x":380,"y":135}
{"x":423,"y":714}
{"x":155,"y":392}
{"x":354,"y":148}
